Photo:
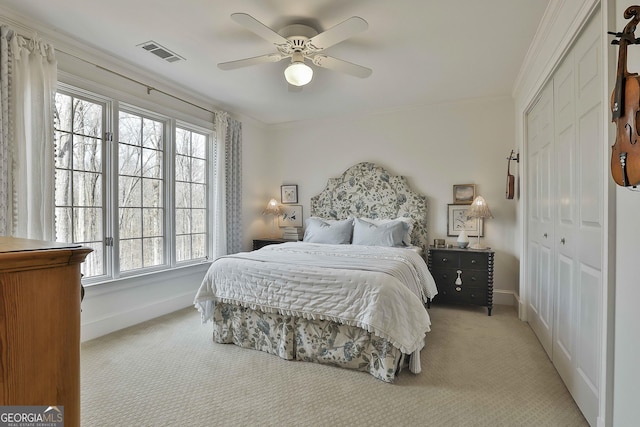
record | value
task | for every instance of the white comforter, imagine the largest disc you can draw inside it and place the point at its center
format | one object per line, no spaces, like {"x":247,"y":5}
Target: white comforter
{"x":376,"y":288}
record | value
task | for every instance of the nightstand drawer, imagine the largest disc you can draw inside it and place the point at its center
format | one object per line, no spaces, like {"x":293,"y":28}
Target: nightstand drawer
{"x":462,"y":295}
{"x":467,"y":276}
{"x":474,"y":260}
{"x":445,"y":260}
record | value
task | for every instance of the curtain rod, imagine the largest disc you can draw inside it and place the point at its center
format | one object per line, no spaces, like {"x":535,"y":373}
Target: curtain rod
{"x":149,"y":88}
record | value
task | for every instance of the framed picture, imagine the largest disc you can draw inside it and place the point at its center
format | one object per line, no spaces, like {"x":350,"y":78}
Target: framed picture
{"x":457,"y":221}
{"x":289,"y":194}
{"x":463,"y":194}
{"x":291,"y":216}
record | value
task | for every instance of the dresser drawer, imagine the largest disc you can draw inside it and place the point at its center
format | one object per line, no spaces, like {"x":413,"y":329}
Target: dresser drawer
{"x":474,"y":260}
{"x":445,"y":260}
{"x":462,"y":295}
{"x":468,"y":277}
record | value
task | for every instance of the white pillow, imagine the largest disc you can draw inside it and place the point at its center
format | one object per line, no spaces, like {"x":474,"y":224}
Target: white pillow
{"x":406,"y":238}
{"x":389,"y":233}
{"x":319,"y":230}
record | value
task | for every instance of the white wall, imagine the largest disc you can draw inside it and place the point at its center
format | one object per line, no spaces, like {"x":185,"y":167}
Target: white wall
{"x":626,"y":410}
{"x":434,"y":146}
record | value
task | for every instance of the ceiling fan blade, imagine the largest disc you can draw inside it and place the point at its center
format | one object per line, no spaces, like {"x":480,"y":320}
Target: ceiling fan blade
{"x":232,"y":65}
{"x":259,"y":28}
{"x":338,"y":33}
{"x":336,"y":64}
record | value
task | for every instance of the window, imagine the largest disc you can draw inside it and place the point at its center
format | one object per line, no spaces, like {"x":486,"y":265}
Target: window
{"x":140,"y":191}
{"x":191,"y":195}
{"x":139,"y":201}
{"x":79,"y":194}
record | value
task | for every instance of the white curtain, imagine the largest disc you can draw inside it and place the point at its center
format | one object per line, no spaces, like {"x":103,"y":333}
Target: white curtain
{"x":228,"y":185}
{"x":28,"y":82}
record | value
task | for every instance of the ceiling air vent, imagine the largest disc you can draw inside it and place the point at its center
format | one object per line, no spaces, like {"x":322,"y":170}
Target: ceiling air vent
{"x":161,"y":51}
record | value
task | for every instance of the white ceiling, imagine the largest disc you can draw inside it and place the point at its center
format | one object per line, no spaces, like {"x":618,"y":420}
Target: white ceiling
{"x":421,"y":51}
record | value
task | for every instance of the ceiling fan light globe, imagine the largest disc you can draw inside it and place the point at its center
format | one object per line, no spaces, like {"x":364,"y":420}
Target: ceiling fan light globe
{"x":298,"y":74}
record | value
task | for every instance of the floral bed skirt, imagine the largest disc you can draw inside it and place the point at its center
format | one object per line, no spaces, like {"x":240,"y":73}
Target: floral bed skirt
{"x":319,"y":341}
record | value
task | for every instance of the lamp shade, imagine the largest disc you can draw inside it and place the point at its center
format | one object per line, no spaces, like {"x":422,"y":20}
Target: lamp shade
{"x":298,"y":73}
{"x":479,"y":209}
{"x":273,"y":208}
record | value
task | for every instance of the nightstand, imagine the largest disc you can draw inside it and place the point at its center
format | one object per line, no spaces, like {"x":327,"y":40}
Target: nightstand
{"x":463,"y":276}
{"x":260,"y":243}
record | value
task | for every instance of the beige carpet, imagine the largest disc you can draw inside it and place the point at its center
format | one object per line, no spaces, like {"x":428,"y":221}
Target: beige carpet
{"x":477,"y":371}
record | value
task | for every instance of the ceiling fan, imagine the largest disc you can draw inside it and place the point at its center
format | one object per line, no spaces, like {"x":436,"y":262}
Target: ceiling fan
{"x":301,"y":42}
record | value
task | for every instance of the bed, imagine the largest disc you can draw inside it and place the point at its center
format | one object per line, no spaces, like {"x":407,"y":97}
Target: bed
{"x":351,"y":294}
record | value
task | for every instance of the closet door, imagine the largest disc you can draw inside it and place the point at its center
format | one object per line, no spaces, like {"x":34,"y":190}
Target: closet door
{"x":579,"y":219}
{"x":540,"y":289}
{"x":565,"y":218}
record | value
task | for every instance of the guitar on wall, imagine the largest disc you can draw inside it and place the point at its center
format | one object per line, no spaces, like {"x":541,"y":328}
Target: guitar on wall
{"x":510,"y":178}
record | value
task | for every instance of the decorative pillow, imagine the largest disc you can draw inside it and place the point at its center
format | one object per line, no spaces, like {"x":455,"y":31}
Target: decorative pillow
{"x":319,"y":230}
{"x":390,"y":233}
{"x":406,"y":238}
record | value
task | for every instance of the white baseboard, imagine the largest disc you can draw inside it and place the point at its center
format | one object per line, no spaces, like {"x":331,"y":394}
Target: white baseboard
{"x":132,"y":316}
{"x":501,"y":297}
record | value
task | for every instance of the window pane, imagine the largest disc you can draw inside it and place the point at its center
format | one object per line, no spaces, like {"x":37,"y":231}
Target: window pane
{"x":129,"y":159}
{"x":63,"y":113}
{"x":130,"y":223}
{"x":87,"y":154}
{"x":129,"y":190}
{"x":183,"y":221}
{"x":93,"y":265}
{"x":199,"y":220}
{"x":199,"y":171}
{"x":151,"y":163}
{"x":198,"y":196}
{"x":63,"y":188}
{"x":183,"y":172}
{"x":182,"y":142}
{"x":183,"y":195}
{"x":129,"y":128}
{"x":152,"y":134}
{"x":199,"y":146}
{"x":63,"y":225}
{"x":87,"y":118}
{"x":63,"y":150}
{"x":183,"y":248}
{"x":151,"y":193}
{"x":153,"y":251}
{"x":152,"y":222}
{"x":199,"y":246}
{"x":87,"y":189}
{"x":130,"y":254}
{"x":88,"y":225}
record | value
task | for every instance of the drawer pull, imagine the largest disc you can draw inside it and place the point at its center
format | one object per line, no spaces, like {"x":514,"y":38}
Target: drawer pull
{"x":444,"y":260}
{"x":458,"y":279}
{"x":458,"y":288}
{"x":473,"y":261}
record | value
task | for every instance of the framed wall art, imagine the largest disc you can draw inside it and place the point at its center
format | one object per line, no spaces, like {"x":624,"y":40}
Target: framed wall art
{"x":289,"y":194}
{"x":457,"y":221}
{"x":463,"y":194}
{"x":290,"y":216}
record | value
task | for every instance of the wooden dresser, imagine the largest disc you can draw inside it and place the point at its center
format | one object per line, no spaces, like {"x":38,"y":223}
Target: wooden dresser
{"x":40,"y":324}
{"x":463,"y":276}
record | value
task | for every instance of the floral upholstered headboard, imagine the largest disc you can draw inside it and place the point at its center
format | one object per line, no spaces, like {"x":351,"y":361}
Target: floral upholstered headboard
{"x":366,"y":190}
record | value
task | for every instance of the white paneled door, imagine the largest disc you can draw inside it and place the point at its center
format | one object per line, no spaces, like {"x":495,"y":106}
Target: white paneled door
{"x":540,"y":219}
{"x":565,"y":218}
